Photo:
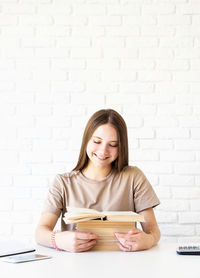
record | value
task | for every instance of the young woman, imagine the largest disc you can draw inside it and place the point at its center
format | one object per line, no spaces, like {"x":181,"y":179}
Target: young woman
{"x":102,"y":180}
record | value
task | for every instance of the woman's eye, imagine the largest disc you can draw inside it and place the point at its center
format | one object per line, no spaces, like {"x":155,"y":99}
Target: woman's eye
{"x":96,"y":142}
{"x":113,"y":146}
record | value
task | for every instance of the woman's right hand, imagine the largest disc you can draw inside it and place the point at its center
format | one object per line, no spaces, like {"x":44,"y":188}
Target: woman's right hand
{"x":75,"y":241}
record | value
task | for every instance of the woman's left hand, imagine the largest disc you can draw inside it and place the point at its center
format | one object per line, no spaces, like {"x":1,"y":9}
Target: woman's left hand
{"x":134,"y":240}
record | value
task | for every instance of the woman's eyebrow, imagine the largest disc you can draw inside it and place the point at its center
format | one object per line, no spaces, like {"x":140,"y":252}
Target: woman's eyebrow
{"x":102,"y":139}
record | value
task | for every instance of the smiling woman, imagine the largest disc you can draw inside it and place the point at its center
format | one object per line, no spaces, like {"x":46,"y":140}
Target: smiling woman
{"x":102,"y":150}
{"x":101,"y":180}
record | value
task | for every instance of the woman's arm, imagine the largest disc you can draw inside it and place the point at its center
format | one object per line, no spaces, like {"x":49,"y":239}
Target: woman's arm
{"x":72,"y":241}
{"x":137,"y":239}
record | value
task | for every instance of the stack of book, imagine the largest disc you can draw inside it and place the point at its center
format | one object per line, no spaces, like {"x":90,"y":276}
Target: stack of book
{"x":104,"y":224}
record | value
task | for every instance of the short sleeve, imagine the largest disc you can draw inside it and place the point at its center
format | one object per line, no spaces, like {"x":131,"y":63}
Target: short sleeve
{"x":144,"y":195}
{"x":54,"y":200}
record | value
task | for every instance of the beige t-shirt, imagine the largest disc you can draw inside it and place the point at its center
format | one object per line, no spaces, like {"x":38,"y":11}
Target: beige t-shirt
{"x":123,"y":191}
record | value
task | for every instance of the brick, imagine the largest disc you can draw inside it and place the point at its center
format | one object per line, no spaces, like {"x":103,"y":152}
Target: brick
{"x":53,"y":121}
{"x":87,"y":99}
{"x":101,"y":87}
{"x":172,"y":205}
{"x":173,"y":109}
{"x":189,"y":217}
{"x":20,"y":218}
{"x":8,"y":20}
{"x":156,"y":144}
{"x":137,"y":64}
{"x":139,"y":155}
{"x":54,"y":31}
{"x":165,"y":217}
{"x":68,"y":110}
{"x":68,"y":63}
{"x":134,"y":122}
{"x":108,"y":42}
{"x":187,"y":31}
{"x":61,"y":7}
{"x":195,"y":205}
{"x":187,"y":168}
{"x":35,"y":157}
{"x":143,"y":42}
{"x":176,"y":156}
{"x":49,"y":169}
{"x":163,"y":192}
{"x":5,"y":181}
{"x":7,"y":156}
{"x":139,"y":20}
{"x":138,"y":109}
{"x":128,"y":9}
{"x":52,"y":52}
{"x":102,"y":64}
{"x":189,"y":121}
{"x":189,"y":9}
{"x":186,"y":53}
{"x":195,"y":64}
{"x":157,"y":31}
{"x":36,"y":19}
{"x":136,"y":87}
{"x":179,"y":42}
{"x":30,"y":181}
{"x":175,"y":87}
{"x":176,"y":180}
{"x":174,"y":20}
{"x":65,"y":156}
{"x":120,"y":52}
{"x":177,"y":230}
{"x":119,"y":76}
{"x":23,"y":229}
{"x":167,"y":133}
{"x":12,"y":8}
{"x":155,"y":53}
{"x":122,"y":31}
{"x":161,"y":121}
{"x":88,"y":31}
{"x":70,"y":20}
{"x":104,"y":20}
{"x":37,"y":42}
{"x":157,"y":168}
{"x":187,"y":193}
{"x":73,"y":42}
{"x":155,"y":76}
{"x":158,"y":98}
{"x":195,"y":133}
{"x":117,"y":99}
{"x":172,"y":65}
{"x":89,"y":9}
{"x":67,"y":86}
{"x":86,"y":53}
{"x":158,"y":8}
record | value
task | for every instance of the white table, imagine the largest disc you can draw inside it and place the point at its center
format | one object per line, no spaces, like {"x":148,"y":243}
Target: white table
{"x":159,"y":262}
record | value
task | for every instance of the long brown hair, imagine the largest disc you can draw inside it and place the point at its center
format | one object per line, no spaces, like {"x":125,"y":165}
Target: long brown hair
{"x":102,"y":117}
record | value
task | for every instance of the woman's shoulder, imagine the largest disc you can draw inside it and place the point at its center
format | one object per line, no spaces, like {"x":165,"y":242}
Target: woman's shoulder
{"x":132,"y":170}
{"x":67,"y":175}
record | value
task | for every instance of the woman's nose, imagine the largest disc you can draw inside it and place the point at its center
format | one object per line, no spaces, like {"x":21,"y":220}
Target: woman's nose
{"x":103,"y":149}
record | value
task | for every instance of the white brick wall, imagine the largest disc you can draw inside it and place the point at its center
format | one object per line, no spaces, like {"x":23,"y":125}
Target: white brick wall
{"x":61,"y":60}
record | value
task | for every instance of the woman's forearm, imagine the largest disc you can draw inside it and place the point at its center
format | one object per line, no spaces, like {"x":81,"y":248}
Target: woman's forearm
{"x":43,"y":236}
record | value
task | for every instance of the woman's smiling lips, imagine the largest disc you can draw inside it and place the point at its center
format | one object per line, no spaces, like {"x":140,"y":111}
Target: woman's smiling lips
{"x":101,"y":158}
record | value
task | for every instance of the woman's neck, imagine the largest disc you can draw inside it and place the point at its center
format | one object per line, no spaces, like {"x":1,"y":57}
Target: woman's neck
{"x":96,"y":173}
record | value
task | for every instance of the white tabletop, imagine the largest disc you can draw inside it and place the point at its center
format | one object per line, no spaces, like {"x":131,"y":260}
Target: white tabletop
{"x":159,"y":262}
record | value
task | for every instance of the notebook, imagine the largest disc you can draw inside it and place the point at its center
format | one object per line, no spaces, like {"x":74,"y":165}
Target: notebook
{"x":14,"y":247}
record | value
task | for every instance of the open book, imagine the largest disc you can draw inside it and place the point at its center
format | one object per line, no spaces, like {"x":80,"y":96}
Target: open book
{"x":75,"y":215}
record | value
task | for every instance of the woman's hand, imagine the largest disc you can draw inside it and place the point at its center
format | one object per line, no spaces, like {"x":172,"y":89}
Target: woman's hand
{"x":75,"y":241}
{"x":134,"y":240}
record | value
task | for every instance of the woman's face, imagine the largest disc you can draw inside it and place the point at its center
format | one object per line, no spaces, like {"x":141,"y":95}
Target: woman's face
{"x":102,"y":148}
